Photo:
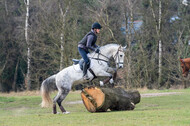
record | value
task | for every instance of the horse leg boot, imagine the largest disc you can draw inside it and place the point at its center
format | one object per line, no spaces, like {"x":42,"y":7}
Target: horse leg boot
{"x":85,"y":75}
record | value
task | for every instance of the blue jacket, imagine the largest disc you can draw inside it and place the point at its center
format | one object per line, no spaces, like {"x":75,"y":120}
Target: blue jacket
{"x":88,"y":42}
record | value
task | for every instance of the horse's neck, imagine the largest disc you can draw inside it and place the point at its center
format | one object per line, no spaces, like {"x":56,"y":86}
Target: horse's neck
{"x":108,"y":52}
{"x":105,"y":53}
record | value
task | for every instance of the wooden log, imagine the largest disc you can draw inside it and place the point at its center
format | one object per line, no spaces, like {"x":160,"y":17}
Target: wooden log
{"x":116,"y":99}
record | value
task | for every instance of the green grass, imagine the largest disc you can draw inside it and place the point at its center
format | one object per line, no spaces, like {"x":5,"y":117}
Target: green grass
{"x":171,"y":110}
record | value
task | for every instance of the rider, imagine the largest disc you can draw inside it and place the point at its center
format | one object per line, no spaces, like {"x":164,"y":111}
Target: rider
{"x":88,"y":42}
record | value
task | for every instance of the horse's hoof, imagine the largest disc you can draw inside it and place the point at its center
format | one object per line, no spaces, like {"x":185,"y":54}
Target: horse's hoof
{"x":66,"y":112}
{"x":101,"y":83}
{"x":56,"y":113}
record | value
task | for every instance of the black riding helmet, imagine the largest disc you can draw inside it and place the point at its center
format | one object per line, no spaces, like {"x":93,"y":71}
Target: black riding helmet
{"x":96,"y":25}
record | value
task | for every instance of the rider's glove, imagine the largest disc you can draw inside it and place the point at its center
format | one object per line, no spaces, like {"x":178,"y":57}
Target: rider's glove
{"x":97,"y":50}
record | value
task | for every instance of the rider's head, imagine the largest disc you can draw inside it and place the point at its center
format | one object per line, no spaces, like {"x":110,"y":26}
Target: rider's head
{"x":96,"y":27}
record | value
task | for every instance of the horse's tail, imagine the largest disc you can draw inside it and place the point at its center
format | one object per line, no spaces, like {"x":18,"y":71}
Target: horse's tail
{"x":47,"y":86}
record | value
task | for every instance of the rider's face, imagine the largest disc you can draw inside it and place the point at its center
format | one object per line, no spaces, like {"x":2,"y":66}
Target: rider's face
{"x":97,"y":30}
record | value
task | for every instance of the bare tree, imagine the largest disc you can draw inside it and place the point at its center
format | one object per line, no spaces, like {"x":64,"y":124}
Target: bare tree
{"x":128,"y":13}
{"x":158,"y":31}
{"x":63,"y":15}
{"x":28,"y":76}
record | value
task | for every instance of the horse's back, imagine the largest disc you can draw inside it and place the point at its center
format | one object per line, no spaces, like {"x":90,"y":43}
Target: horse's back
{"x":69,"y":75}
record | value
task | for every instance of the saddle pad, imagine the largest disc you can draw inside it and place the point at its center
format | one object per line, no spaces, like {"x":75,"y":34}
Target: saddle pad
{"x":80,"y":62}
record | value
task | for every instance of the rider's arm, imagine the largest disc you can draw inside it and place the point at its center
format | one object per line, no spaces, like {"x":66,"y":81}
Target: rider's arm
{"x":89,"y":42}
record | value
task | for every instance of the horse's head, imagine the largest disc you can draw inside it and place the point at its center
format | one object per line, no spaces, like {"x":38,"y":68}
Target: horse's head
{"x":119,"y":56}
{"x":185,"y":68}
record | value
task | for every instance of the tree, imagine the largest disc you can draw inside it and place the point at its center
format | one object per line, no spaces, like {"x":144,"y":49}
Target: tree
{"x":28,"y":75}
{"x":158,"y":21}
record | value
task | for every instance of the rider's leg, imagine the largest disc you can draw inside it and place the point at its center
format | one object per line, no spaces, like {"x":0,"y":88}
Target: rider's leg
{"x":83,"y":53}
{"x":85,"y":67}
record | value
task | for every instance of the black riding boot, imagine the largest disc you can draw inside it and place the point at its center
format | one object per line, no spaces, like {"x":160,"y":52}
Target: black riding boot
{"x":85,"y":75}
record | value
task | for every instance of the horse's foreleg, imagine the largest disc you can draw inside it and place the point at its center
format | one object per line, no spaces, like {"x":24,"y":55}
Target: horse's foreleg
{"x":114,"y":75}
{"x":105,"y":73}
{"x":112,"y":78}
{"x":111,"y":70}
{"x":107,"y":80}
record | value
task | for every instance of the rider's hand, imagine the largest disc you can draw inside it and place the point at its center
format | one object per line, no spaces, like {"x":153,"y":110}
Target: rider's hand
{"x":97,"y":50}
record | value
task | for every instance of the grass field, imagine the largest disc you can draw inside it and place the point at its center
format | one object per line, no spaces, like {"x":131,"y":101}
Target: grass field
{"x":22,"y":109}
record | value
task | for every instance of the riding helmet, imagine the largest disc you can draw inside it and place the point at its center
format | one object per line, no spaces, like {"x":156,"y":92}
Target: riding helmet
{"x":96,"y":25}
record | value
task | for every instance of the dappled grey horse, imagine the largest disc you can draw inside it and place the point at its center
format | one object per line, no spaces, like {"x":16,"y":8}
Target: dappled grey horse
{"x":73,"y":74}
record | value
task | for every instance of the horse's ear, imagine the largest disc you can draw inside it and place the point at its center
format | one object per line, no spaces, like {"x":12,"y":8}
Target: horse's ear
{"x":124,"y":48}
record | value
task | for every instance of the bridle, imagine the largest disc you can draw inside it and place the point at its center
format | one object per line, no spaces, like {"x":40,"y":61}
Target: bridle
{"x":116,"y":56}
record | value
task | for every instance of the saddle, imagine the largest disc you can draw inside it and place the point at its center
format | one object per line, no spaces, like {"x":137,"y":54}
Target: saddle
{"x":81,"y":62}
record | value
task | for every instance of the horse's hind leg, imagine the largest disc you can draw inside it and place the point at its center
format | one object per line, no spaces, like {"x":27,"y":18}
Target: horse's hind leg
{"x":58,"y":99}
{"x":64,"y":93}
{"x":54,"y":102}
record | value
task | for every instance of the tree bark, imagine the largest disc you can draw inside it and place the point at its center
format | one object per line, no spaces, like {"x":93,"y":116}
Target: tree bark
{"x":28,"y":76}
{"x":14,"y":87}
{"x":158,"y":31}
{"x":62,"y":34}
{"x":160,"y":44}
{"x":6,"y":8}
{"x":116,"y":99}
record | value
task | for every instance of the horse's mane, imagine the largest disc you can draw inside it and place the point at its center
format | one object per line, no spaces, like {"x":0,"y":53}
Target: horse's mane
{"x":108,"y":45}
{"x":105,"y":47}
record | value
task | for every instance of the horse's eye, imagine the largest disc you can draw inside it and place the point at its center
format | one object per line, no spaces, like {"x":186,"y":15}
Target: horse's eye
{"x":121,"y":55}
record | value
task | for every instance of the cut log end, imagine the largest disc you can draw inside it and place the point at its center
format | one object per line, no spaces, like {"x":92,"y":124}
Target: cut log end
{"x":116,"y":99}
{"x":93,"y":98}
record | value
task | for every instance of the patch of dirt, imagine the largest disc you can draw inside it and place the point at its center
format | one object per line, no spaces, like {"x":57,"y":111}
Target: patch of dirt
{"x":160,"y":94}
{"x":74,"y":102}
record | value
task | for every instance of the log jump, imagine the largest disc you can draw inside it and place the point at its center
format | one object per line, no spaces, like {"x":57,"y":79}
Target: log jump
{"x":98,"y":99}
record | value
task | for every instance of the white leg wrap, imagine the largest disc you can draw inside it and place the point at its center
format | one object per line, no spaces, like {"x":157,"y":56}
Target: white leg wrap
{"x":101,"y":83}
{"x":111,"y":81}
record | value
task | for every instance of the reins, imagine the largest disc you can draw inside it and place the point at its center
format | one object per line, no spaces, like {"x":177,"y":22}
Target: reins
{"x":116,"y":56}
